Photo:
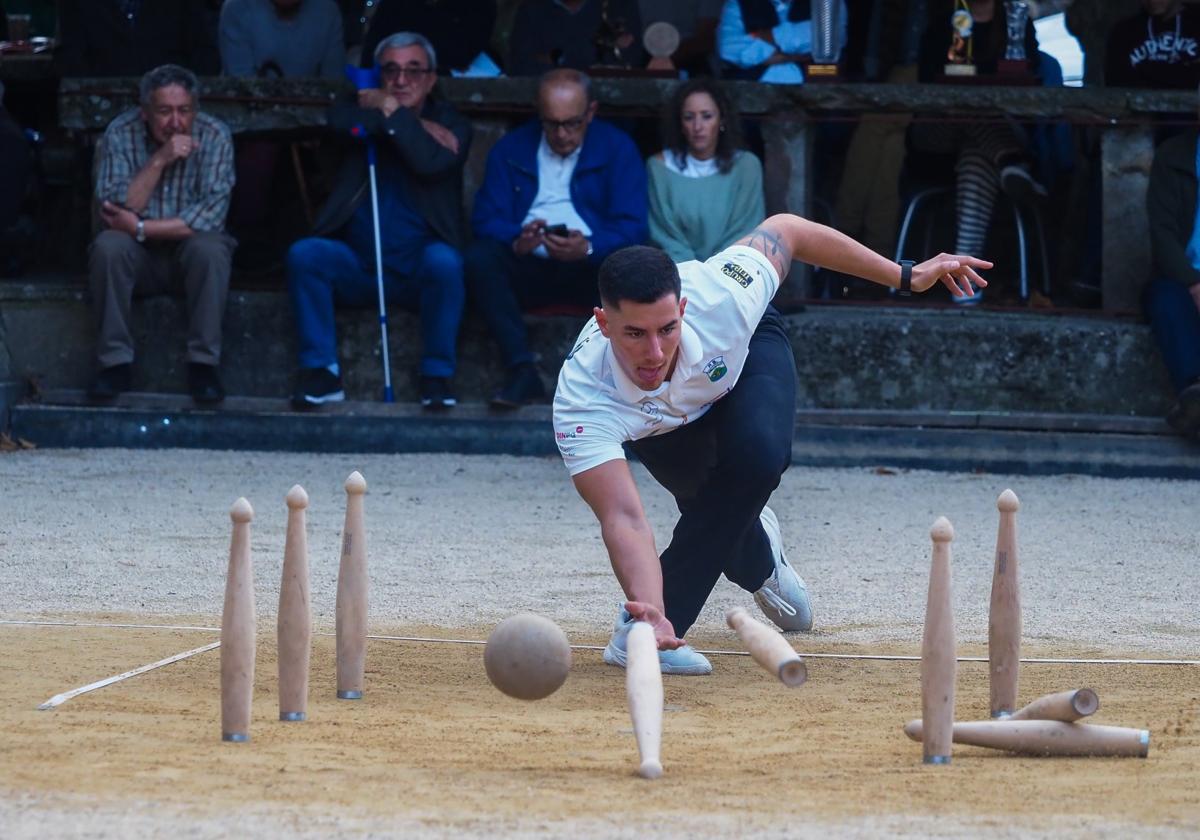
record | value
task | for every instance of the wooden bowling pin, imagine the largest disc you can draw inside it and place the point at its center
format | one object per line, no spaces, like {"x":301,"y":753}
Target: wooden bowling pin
{"x":1047,"y":737}
{"x":294,"y":626}
{"x":237,"y":630}
{"x":644,"y":688}
{"x":768,"y":648}
{"x":938,"y":661}
{"x":351,"y":611}
{"x":1065,"y":706}
{"x":1004,"y":616}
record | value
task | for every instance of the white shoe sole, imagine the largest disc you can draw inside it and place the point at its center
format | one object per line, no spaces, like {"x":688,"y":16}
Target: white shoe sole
{"x":613,"y":655}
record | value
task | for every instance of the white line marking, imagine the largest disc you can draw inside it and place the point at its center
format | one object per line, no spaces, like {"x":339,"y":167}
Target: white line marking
{"x":851,"y":656}
{"x":59,"y":699}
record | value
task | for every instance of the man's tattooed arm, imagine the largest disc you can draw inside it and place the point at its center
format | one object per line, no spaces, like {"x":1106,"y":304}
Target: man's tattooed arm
{"x":766,"y":239}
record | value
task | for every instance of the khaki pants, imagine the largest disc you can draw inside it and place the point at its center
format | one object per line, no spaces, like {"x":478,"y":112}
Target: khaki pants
{"x":868,"y":201}
{"x":119,"y":267}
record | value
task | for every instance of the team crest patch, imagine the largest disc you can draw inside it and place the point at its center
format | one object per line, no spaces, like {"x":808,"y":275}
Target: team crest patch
{"x":741,"y":275}
{"x":715,"y":369}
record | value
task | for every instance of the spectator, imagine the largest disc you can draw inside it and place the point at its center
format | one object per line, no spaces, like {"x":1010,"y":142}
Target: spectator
{"x":988,"y":156}
{"x":868,"y":201}
{"x":768,"y":40}
{"x":574,"y":33}
{"x":422,"y":143}
{"x":705,"y":191}
{"x":129,"y":37}
{"x":1172,"y":297}
{"x":1157,"y":48}
{"x":697,"y":26}
{"x":163,"y":183}
{"x":568,"y":171}
{"x":281,"y":38}
{"x":14,"y":167}
{"x":460,"y":30}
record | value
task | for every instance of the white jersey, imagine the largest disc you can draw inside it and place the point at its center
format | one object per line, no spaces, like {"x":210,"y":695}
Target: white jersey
{"x":597,"y":407}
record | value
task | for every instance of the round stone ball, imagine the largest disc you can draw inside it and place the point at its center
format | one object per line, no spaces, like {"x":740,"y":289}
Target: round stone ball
{"x":527,"y":656}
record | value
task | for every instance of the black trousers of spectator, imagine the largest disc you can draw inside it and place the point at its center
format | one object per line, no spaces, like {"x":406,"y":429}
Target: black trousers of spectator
{"x":501,"y":284}
{"x":722,"y":469}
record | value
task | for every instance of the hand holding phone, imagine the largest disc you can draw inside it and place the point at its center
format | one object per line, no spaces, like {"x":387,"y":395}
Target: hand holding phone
{"x":557,"y":230}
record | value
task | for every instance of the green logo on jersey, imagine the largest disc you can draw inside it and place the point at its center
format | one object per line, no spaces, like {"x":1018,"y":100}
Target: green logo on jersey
{"x":715,"y":369}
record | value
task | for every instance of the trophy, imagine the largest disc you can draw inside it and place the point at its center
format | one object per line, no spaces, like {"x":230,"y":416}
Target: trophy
{"x":613,"y":39}
{"x":660,"y":39}
{"x":826,"y":27}
{"x":960,"y":58}
{"x":1015,"y":62}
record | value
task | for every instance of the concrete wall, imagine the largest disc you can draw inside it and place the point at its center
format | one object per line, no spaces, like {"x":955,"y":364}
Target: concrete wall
{"x":848,"y":357}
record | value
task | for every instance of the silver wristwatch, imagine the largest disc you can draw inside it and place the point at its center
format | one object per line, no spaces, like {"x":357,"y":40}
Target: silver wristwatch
{"x":140,"y":235}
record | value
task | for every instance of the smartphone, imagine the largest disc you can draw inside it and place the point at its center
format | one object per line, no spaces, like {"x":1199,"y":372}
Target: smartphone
{"x":556,"y":230}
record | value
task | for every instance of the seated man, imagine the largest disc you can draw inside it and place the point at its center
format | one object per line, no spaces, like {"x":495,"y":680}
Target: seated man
{"x":559,"y":195}
{"x":163,"y":184}
{"x":769,"y":40}
{"x":1172,"y":297}
{"x":129,"y":37}
{"x":288,"y":38}
{"x":1156,"y":48}
{"x":422,"y":144}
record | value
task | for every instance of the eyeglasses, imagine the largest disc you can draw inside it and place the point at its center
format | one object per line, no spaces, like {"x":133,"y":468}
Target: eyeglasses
{"x":390,"y":72}
{"x":572,"y":125}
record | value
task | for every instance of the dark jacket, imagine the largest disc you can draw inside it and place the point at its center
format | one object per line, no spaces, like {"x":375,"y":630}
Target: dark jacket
{"x":432,"y":174}
{"x":97,"y":40}
{"x":1133,"y":58}
{"x":1171,"y":206}
{"x":608,"y":187}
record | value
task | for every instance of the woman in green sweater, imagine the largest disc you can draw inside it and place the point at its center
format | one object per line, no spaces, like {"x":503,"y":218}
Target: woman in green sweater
{"x":705,"y":191}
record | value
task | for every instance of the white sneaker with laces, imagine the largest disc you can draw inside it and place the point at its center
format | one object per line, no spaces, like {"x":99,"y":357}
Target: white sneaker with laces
{"x":783,"y":598}
{"x":681,"y":661}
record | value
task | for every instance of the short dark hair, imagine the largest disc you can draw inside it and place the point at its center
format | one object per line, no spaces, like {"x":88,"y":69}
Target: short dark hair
{"x":729,"y":140}
{"x":639,"y":274}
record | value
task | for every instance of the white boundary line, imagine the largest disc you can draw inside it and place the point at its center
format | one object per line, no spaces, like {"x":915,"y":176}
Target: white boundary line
{"x":59,"y":699}
{"x":850,"y":656}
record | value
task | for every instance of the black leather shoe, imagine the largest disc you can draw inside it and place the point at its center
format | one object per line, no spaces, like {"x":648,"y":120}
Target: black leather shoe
{"x":204,"y":384}
{"x":436,"y":394}
{"x":523,"y":386}
{"x":110,"y":382}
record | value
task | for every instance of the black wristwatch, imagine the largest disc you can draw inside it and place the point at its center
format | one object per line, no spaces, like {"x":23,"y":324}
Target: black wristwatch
{"x":906,"y":267}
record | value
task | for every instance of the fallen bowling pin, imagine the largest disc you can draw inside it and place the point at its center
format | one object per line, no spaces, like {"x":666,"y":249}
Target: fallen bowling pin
{"x":768,"y":648}
{"x":294,"y":623}
{"x":644,"y":690}
{"x":1065,"y":706}
{"x":1047,"y":737}
{"x":238,"y":630}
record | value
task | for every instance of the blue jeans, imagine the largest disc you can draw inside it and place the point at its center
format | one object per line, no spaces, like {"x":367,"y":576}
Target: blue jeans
{"x":323,"y":273}
{"x":1175,"y":321}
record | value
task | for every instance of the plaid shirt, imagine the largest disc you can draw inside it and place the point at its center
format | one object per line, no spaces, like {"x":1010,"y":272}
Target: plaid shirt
{"x":195,"y":189}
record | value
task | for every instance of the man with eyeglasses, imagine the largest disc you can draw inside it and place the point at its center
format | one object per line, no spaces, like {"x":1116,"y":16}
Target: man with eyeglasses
{"x":560,"y":194}
{"x":422,"y":144}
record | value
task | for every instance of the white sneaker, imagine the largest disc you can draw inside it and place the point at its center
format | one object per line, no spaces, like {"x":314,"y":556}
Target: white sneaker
{"x":783,"y":598}
{"x":684,"y":660}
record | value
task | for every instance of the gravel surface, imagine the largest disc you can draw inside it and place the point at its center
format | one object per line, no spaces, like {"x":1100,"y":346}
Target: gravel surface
{"x":460,"y":542}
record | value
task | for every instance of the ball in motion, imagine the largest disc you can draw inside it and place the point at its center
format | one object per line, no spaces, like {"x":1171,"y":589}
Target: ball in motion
{"x":527,"y":656}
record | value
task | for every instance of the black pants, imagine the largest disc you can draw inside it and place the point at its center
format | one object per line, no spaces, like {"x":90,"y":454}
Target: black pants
{"x":721,"y":469}
{"x":500,"y":284}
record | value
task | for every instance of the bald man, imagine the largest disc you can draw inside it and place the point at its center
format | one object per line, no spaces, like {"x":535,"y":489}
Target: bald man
{"x":560,"y":194}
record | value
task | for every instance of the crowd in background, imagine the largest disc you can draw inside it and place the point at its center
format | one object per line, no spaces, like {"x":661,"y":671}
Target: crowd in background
{"x":173,"y":189}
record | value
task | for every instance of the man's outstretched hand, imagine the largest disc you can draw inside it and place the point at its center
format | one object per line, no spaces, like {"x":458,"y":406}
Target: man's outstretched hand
{"x":956,"y":272}
{"x":664,"y":633}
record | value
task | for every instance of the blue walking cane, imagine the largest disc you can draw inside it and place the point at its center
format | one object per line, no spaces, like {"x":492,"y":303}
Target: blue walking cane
{"x":363,"y":78}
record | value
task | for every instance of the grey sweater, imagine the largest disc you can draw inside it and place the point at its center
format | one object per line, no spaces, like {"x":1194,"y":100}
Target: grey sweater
{"x":309,"y":44}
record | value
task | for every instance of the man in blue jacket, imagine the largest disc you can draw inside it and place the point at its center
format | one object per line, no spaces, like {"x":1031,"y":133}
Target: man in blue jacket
{"x":560,"y":194}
